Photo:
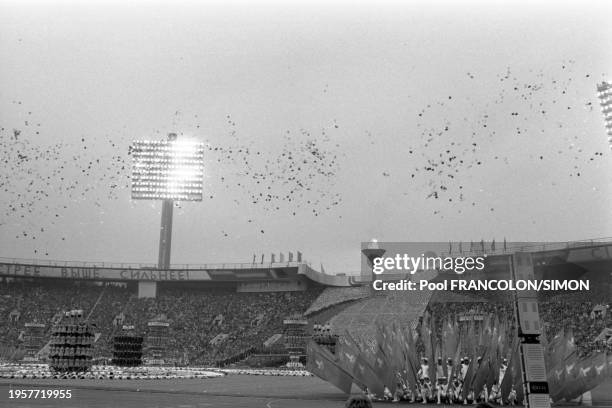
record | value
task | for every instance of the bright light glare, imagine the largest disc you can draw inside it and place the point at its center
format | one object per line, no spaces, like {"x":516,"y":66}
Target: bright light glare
{"x":165,"y":169}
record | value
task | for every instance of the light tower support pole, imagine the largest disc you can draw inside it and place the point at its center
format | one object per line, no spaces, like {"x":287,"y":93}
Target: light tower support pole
{"x":165,"y":235}
{"x":165,"y":229}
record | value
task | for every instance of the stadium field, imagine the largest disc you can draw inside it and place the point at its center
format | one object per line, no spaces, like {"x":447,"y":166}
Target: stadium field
{"x":239,"y":391}
{"x":230,"y":391}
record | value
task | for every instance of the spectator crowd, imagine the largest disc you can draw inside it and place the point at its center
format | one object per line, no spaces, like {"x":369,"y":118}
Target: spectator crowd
{"x":195,"y":316}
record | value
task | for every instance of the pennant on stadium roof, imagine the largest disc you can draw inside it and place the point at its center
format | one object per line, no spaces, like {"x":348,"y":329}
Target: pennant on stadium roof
{"x":299,"y":256}
{"x":282,"y":258}
{"x":290,"y":256}
{"x":273,"y":258}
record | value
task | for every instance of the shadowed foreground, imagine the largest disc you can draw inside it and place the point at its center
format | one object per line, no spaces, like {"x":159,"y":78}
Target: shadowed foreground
{"x":238,"y":391}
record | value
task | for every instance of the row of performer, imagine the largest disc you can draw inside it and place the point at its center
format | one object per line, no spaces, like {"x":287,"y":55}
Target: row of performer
{"x":446,"y":391}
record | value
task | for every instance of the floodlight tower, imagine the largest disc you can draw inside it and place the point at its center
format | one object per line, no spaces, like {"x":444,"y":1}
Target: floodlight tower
{"x":168,"y":170}
{"x":604,"y":92}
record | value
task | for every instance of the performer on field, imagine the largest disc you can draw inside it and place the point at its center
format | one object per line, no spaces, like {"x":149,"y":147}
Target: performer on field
{"x":399,"y":388}
{"x":469,"y":398}
{"x":465,"y":364}
{"x":495,"y":396}
{"x":423,"y":373}
{"x":441,"y":381}
{"x":502,"y":370}
{"x":368,"y":394}
{"x":387,"y":396}
{"x":512,"y":396}
{"x":484,"y":394}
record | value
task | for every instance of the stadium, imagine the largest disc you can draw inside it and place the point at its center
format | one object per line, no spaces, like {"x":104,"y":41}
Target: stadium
{"x":447,"y":163}
{"x":231,"y":325}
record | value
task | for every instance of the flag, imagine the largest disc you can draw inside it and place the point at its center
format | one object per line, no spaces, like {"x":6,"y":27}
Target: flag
{"x":262,"y":258}
{"x":561,"y":347}
{"x":273,"y":257}
{"x":321,"y":363}
{"x":322,"y":269}
{"x":429,"y":340}
{"x":365,"y":374}
{"x":493,"y":245}
{"x":467,"y":380}
{"x":514,"y":373}
{"x":254,"y":258}
{"x":561,"y":375}
{"x":551,"y":350}
{"x":472,"y":343}
{"x":290,"y":256}
{"x":494,"y":355}
{"x":483,"y":371}
{"x":384,"y":365}
{"x":397,"y":357}
{"x":299,"y":256}
{"x":449,"y":338}
{"x":410,"y":357}
{"x":282,"y":257}
{"x":478,"y":350}
{"x":456,"y":362}
{"x":502,"y":341}
{"x":586,"y":375}
{"x":348,"y":352}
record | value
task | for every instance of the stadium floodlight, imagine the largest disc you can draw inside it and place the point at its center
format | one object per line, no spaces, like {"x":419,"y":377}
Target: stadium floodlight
{"x":604,"y":91}
{"x":169,"y":170}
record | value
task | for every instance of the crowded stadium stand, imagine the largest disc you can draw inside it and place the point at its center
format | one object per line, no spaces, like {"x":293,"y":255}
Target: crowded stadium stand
{"x":212,"y":314}
{"x":234,"y":313}
{"x":196,"y":316}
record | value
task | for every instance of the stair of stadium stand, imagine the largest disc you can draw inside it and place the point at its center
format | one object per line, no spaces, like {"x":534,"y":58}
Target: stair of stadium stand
{"x":236,"y":357}
{"x":326,"y":315}
{"x":333,"y":295}
{"x":360,"y":318}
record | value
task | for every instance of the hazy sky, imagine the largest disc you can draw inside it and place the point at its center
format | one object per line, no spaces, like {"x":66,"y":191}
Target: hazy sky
{"x":424,"y":121}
